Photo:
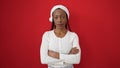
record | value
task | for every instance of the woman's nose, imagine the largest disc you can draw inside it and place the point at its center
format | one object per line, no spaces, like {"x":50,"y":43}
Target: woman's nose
{"x":59,"y":19}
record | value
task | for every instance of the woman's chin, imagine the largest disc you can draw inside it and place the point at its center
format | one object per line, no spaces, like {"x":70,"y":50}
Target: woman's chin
{"x":60,"y":27}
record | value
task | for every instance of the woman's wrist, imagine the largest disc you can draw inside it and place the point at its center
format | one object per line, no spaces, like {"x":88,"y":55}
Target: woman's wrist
{"x":74,"y":50}
{"x":53,"y":54}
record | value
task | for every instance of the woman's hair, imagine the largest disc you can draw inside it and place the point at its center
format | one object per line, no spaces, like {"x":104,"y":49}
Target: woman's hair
{"x":67,"y":26}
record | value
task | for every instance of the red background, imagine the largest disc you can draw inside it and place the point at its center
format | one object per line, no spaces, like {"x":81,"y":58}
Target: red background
{"x":23,"y":22}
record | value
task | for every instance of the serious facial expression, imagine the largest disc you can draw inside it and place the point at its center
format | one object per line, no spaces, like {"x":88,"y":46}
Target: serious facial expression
{"x":60,"y":18}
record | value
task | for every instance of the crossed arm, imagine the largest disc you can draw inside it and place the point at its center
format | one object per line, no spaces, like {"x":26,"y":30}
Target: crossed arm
{"x":56,"y":54}
{"x":48,"y":56}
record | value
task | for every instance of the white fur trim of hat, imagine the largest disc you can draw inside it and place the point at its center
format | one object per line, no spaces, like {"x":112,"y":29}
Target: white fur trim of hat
{"x":56,"y":7}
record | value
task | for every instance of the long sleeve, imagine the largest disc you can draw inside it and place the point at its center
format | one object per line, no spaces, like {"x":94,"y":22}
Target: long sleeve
{"x":45,"y":59}
{"x":72,"y":58}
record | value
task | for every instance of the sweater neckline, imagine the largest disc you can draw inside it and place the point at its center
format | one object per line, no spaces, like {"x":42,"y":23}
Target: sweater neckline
{"x":60,"y":37}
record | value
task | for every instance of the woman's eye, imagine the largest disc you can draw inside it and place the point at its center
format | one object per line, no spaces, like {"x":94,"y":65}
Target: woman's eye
{"x":63,"y":17}
{"x":55,"y":17}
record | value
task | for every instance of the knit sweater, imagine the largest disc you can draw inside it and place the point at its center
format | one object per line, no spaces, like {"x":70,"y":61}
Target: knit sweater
{"x":61,"y":45}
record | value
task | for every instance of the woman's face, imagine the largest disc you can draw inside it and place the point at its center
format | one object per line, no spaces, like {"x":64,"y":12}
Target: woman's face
{"x":60,"y":19}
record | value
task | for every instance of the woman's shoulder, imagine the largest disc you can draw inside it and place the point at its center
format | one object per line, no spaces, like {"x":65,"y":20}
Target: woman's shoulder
{"x":73,"y":33}
{"x":49,"y":31}
{"x":46,"y":33}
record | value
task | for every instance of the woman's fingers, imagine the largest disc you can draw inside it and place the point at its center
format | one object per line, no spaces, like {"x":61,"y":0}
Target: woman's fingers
{"x":74,"y":50}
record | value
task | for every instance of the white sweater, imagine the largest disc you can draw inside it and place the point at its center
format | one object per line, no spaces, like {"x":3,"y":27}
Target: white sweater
{"x":62,"y":45}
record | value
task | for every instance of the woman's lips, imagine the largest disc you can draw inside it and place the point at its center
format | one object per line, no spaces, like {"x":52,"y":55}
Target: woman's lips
{"x":60,"y":24}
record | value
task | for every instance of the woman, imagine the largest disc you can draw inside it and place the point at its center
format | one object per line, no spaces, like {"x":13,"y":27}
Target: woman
{"x":60,"y":47}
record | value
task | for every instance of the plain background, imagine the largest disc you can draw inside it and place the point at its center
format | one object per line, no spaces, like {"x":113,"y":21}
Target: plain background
{"x":23,"y":23}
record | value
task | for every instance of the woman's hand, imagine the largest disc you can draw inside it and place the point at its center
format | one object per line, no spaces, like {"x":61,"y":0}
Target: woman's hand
{"x":53,"y":54}
{"x":56,"y":54}
{"x":74,"y":50}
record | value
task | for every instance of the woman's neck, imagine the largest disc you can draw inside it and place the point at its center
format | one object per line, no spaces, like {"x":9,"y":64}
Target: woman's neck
{"x":60,"y":30}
